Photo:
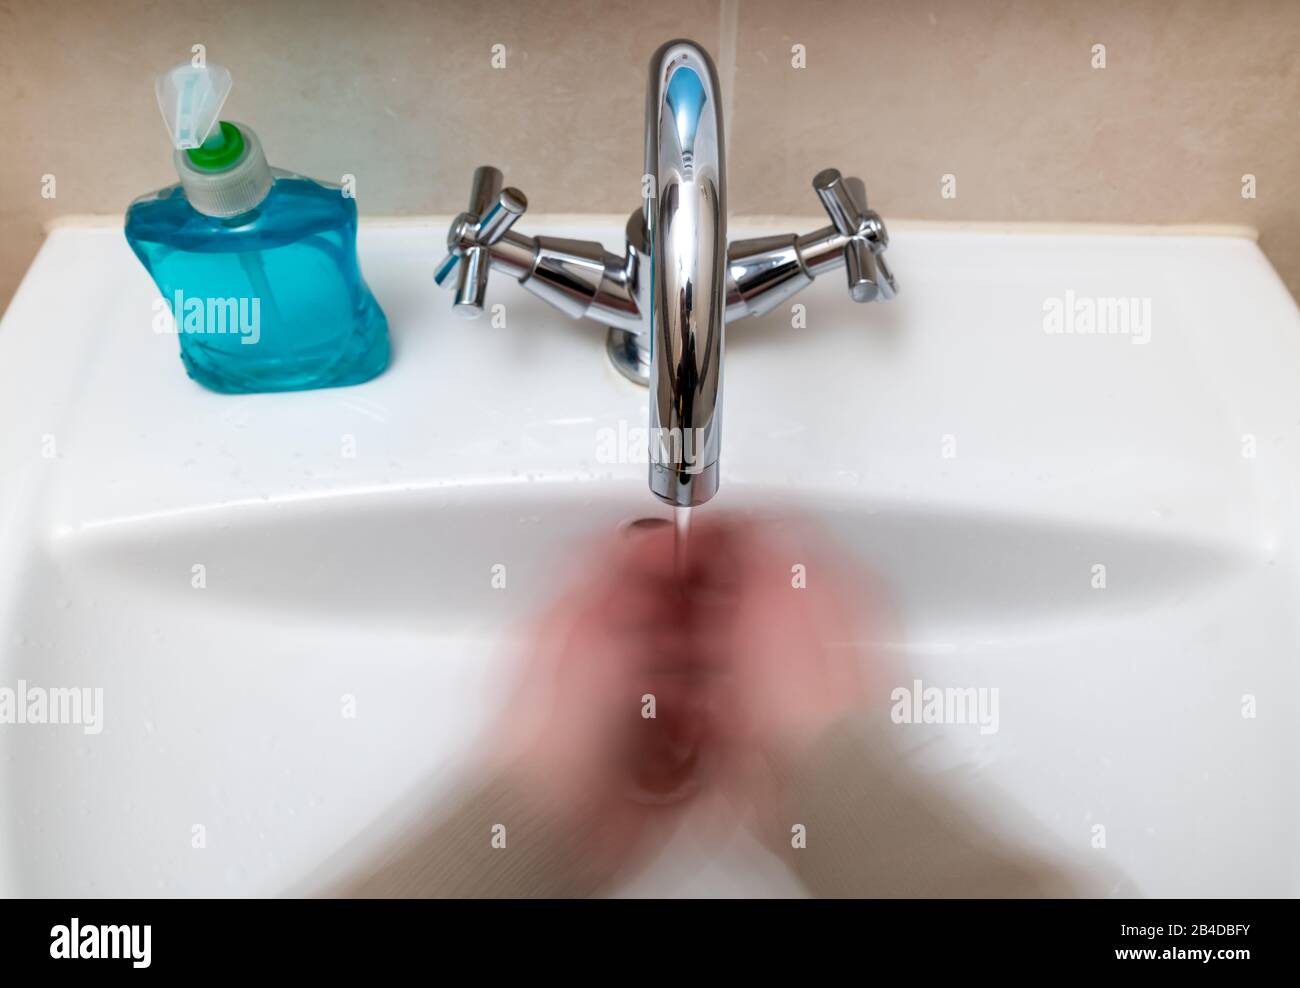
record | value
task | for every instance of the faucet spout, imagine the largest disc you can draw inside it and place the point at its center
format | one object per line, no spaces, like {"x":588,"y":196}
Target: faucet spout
{"x":686,"y":225}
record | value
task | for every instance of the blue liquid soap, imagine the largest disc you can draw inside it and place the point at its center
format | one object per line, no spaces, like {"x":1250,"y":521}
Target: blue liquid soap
{"x":268,"y":299}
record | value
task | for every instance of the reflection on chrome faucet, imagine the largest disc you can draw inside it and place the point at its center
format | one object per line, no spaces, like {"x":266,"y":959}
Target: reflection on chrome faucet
{"x":687,"y":222}
{"x":667,"y":299}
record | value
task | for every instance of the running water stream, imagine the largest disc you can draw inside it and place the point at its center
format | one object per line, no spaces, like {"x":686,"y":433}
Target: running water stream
{"x":682,"y":518}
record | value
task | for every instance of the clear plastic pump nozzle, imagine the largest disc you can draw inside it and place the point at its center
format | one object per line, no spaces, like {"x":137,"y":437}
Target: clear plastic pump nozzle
{"x":190,"y":98}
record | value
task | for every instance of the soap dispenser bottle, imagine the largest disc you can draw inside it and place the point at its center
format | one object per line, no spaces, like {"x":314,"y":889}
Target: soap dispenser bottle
{"x":257,"y":265}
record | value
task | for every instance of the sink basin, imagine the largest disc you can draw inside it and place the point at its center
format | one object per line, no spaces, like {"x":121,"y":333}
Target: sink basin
{"x":240,"y":575}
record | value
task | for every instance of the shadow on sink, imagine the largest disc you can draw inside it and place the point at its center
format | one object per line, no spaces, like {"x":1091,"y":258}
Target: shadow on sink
{"x":471,"y":561}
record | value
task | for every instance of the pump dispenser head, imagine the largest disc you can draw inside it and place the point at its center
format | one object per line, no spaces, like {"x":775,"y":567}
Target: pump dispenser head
{"x":220,"y":164}
{"x":190,"y":98}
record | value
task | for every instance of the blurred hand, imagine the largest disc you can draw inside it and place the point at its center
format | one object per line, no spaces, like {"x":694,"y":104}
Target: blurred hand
{"x":750,"y":651}
{"x":791,"y":620}
{"x":795,"y":644}
{"x":614,"y":643}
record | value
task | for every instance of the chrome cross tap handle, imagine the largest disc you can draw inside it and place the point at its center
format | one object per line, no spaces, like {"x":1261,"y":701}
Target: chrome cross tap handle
{"x":578,"y":277}
{"x":492,"y":211}
{"x":767,"y":271}
{"x":845,"y":201}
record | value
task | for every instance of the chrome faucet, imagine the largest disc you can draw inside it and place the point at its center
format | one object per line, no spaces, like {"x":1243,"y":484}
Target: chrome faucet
{"x":668,"y":297}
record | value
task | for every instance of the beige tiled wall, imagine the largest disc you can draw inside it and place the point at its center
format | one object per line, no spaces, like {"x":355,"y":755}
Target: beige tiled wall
{"x":999,"y":94}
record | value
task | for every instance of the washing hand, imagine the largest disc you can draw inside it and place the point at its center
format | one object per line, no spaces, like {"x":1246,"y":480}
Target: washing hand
{"x":737,"y":672}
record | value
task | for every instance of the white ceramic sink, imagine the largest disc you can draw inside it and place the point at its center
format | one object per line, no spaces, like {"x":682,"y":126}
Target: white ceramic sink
{"x":979,"y":464}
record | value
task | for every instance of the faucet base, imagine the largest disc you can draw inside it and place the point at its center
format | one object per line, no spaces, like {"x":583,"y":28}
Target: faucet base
{"x":630,"y":354}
